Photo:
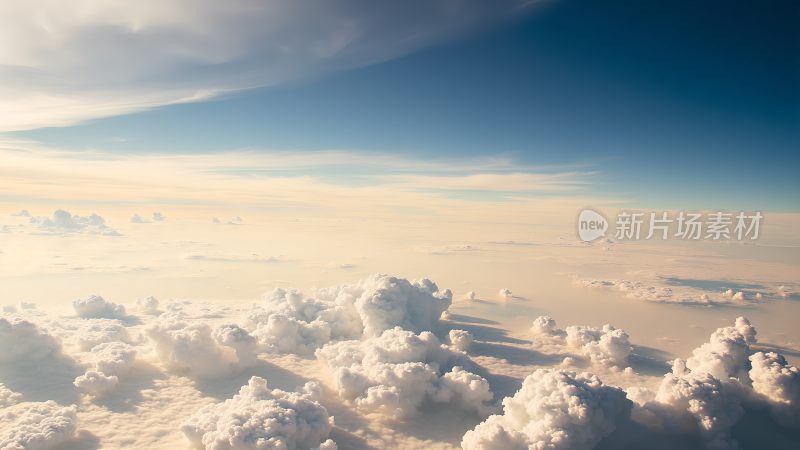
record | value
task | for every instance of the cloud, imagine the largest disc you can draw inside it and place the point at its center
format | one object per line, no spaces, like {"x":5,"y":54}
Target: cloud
{"x":99,"y":331}
{"x":545,"y":325}
{"x":252,"y":258}
{"x":197,"y":350}
{"x":96,"y":383}
{"x":460,"y":339}
{"x":289,"y":322}
{"x":779,"y":382}
{"x":22,"y":340}
{"x":63,"y":222}
{"x":710,"y":392}
{"x":82,"y":59}
{"x":8,"y":397}
{"x":553,"y":409}
{"x":607,"y":345}
{"x":394,"y":373}
{"x":42,"y":425}
{"x":261,"y":418}
{"x":148,"y":305}
{"x":136,"y":218}
{"x":96,"y":307}
{"x":505,"y":294}
{"x":158,"y":217}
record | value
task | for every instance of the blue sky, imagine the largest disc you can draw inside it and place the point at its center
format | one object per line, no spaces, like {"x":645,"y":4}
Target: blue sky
{"x":676,"y":104}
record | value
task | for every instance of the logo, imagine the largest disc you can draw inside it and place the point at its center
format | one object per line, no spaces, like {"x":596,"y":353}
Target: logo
{"x":591,"y":225}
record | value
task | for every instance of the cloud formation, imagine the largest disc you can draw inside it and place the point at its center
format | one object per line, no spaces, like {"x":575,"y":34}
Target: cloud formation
{"x":8,"y":397}
{"x":262,"y":418}
{"x":96,"y":307}
{"x":64,"y":222}
{"x":290,"y":322}
{"x":111,"y":361}
{"x":23,"y":340}
{"x":42,"y":425}
{"x":554,"y":409}
{"x":81,"y":59}
{"x":197,"y":350}
{"x":392,"y":374}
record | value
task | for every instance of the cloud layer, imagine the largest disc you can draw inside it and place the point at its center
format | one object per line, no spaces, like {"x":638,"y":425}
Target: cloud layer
{"x":80,"y":59}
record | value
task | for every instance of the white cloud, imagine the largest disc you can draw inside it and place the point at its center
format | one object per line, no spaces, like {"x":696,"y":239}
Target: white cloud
{"x":292,"y":323}
{"x":158,"y":217}
{"x":392,"y":374}
{"x":261,"y":418}
{"x":148,"y":305}
{"x":22,"y":340}
{"x":63,"y":222}
{"x":96,"y":307}
{"x":8,"y":397}
{"x":98,"y":331}
{"x":37,"y":425}
{"x":505,"y":294}
{"x":709,"y":393}
{"x":96,"y":383}
{"x":554,"y":409}
{"x":607,"y":345}
{"x":725,"y":355}
{"x":136,"y":218}
{"x":74,"y":60}
{"x":111,"y":360}
{"x":546,"y":326}
{"x":461,"y":340}
{"x":196,"y":350}
{"x":779,"y":382}
{"x":698,"y":401}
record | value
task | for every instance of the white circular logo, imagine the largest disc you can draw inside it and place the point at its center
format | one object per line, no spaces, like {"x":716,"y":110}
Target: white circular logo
{"x":591,"y":225}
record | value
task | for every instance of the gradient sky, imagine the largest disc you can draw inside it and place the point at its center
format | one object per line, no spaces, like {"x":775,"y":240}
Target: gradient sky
{"x":675,"y":104}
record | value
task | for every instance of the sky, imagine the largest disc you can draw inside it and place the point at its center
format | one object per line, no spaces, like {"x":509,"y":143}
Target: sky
{"x":362,"y":220}
{"x":674,"y":105}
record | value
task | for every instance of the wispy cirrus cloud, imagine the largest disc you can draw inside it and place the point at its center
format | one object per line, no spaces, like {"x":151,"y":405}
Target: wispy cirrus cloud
{"x":73,"y":60}
{"x":287,"y":179}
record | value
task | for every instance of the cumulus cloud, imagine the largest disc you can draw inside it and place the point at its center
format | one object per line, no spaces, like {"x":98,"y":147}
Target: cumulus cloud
{"x":292,"y":323}
{"x":98,"y":331}
{"x":195,"y":349}
{"x":726,"y":353}
{"x":20,"y":339}
{"x":461,"y":340}
{"x":505,"y":294}
{"x":553,"y":409}
{"x":262,"y":418}
{"x":773,"y":378}
{"x":545,"y":326}
{"x":158,"y":217}
{"x":96,"y":383}
{"x":606,"y":345}
{"x":136,"y":218}
{"x":111,"y":360}
{"x":96,"y":59}
{"x":42,"y":425}
{"x":148,"y":305}
{"x":709,"y":393}
{"x":94,"y":307}
{"x":63,"y":222}
{"x":8,"y":397}
{"x":470,"y":295}
{"x":697,"y":401}
{"x":392,"y":374}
